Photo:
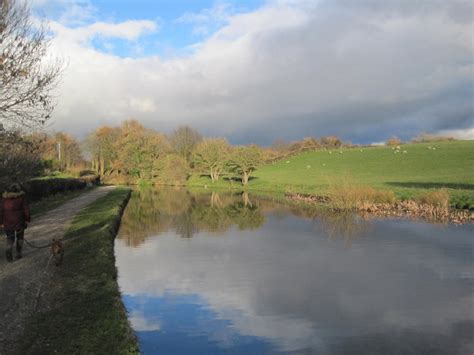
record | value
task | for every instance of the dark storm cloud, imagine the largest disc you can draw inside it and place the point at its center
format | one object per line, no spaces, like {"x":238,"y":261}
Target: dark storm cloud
{"x":363,"y":70}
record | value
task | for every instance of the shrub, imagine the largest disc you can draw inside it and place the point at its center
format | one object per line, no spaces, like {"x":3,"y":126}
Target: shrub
{"x":86,"y":173}
{"x":436,"y":198}
{"x":346,"y":195}
{"x":38,"y":189}
{"x":331,"y":142}
{"x":426,"y":138}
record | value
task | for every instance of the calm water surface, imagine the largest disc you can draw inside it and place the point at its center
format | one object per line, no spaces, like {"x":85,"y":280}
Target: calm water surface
{"x":217,"y":273}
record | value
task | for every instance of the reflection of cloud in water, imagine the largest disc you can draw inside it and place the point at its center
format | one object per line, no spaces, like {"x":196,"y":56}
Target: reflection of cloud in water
{"x":287,"y":281}
{"x":141,"y":323}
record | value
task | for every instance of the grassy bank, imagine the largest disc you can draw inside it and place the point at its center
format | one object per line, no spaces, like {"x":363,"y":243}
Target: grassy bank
{"x":86,"y":314}
{"x":409,"y":172}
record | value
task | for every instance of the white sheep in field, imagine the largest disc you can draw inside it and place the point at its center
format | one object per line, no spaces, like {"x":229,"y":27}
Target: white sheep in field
{"x":404,"y":152}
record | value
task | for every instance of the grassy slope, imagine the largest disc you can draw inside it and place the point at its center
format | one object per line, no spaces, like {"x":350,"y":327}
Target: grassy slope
{"x":451,"y":165}
{"x":87,"y":315}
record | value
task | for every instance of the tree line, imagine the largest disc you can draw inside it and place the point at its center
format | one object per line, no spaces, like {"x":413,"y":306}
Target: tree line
{"x":132,"y":153}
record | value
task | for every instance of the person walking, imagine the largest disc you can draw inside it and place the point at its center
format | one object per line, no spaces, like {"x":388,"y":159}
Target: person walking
{"x":14,"y":216}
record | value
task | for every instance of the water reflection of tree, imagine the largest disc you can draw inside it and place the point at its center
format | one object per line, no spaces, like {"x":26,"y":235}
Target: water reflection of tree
{"x":335,"y":225}
{"x":343,"y":225}
{"x":154,"y":211}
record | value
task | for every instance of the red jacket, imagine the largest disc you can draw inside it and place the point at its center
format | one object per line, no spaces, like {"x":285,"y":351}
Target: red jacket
{"x":14,"y":211}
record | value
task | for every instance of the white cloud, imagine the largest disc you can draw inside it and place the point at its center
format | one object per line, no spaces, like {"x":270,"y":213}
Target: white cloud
{"x":289,"y":69}
{"x":466,"y":134}
{"x":128,"y":30}
{"x":142,"y":105}
{"x":69,"y":13}
{"x":208,"y":19}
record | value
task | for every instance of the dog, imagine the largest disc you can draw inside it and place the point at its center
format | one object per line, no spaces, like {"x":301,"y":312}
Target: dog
{"x":57,"y":249}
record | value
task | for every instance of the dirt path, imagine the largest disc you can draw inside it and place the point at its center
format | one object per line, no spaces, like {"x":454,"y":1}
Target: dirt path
{"x":21,"y":279}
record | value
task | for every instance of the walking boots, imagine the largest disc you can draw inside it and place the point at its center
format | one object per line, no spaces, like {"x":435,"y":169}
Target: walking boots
{"x":19,"y":246}
{"x":9,"y":250}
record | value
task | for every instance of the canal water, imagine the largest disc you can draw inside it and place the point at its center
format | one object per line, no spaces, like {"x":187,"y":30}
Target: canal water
{"x":211,"y":273}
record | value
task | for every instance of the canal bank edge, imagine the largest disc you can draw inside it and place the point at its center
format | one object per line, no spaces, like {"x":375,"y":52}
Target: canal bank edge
{"x":81,"y":310}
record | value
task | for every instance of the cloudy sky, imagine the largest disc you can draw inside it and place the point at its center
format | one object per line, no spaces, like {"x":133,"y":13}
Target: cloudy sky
{"x":258,"y":70}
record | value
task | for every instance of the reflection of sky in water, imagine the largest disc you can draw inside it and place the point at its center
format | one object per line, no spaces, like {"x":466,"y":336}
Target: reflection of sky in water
{"x":398,"y":287}
{"x":185,"y":324}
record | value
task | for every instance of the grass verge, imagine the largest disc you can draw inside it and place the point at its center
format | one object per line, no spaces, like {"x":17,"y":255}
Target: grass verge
{"x":84,"y":312}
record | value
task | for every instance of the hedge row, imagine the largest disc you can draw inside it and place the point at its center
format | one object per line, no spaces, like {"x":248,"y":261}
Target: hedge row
{"x":38,"y":189}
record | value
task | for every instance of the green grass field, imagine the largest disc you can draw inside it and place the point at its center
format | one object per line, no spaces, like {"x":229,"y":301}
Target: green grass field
{"x":449,"y":165}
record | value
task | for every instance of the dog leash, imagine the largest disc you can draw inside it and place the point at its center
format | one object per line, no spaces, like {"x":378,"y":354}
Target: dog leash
{"x":35,"y":246}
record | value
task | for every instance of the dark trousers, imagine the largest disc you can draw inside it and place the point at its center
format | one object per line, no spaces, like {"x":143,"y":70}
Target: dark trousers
{"x":11,"y":234}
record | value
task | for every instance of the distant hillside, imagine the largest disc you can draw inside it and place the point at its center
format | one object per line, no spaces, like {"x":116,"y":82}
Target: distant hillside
{"x":405,"y":170}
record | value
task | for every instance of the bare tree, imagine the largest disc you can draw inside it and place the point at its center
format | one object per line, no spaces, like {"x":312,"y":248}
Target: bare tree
{"x":27,"y":74}
{"x":184,"y":139}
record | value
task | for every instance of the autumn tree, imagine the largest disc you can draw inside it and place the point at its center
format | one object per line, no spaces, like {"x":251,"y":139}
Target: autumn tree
{"x":101,"y":145}
{"x":173,"y":170}
{"x":69,"y":151}
{"x":393,"y":141}
{"x":183,"y":140}
{"x":211,"y":155}
{"x":139,"y":150}
{"x":331,"y":142}
{"x":27,"y":75}
{"x":244,"y":161}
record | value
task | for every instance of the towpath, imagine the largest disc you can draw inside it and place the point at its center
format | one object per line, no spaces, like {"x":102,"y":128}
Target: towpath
{"x":20,"y":280}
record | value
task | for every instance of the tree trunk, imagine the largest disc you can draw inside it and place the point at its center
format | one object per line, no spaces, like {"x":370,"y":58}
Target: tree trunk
{"x":245,"y":178}
{"x":102,"y":165}
{"x":245,"y":198}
